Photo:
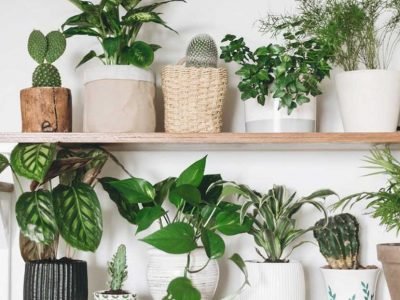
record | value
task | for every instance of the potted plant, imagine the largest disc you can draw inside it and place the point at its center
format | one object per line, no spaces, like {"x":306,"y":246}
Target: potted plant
{"x":283,"y":78}
{"x":117,"y":270}
{"x":384,"y":206}
{"x":275,"y":231}
{"x":363,"y":35}
{"x":183,"y":260}
{"x":68,"y":210}
{"x":46,"y":106}
{"x":119,"y":96}
{"x":339,"y":243}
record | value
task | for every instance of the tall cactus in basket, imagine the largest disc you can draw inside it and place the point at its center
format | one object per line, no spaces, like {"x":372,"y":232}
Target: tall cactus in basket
{"x":202,"y":52}
{"x":339,"y":241}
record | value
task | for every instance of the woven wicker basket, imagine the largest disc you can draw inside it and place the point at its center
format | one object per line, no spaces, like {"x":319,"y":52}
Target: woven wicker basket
{"x":194,"y":99}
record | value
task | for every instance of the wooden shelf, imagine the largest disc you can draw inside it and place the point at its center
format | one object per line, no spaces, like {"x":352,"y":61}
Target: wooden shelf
{"x":6,"y":187}
{"x":212,"y":142}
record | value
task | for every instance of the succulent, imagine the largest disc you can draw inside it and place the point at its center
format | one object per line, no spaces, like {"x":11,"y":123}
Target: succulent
{"x":117,"y":269}
{"x":339,"y":241}
{"x":202,"y":52}
{"x":45,"y":50}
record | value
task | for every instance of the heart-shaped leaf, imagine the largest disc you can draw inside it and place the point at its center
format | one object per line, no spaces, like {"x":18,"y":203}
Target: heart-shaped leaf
{"x":185,"y":194}
{"x":194,"y":174}
{"x":213,"y":244}
{"x":182,"y":289}
{"x":135,"y":190}
{"x":147,"y":216}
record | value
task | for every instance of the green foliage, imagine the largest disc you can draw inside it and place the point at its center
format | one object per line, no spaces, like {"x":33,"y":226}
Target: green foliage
{"x":181,"y":288}
{"x":202,"y":52}
{"x":117,"y":269}
{"x":338,"y":241}
{"x":116,"y":24}
{"x":291,"y":73}
{"x":3,"y":162}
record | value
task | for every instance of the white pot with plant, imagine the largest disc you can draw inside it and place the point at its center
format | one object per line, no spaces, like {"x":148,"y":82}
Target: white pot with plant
{"x":339,"y":243}
{"x":280,"y":83}
{"x":120,"y":95}
{"x":274,"y":230}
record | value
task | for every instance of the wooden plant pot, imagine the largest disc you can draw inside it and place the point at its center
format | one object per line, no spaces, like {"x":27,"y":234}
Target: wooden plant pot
{"x":46,"y":109}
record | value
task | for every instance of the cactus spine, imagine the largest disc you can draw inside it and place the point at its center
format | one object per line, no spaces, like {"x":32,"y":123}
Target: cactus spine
{"x":45,"y":50}
{"x":117,"y":269}
{"x":339,"y":241}
{"x":202,"y":52}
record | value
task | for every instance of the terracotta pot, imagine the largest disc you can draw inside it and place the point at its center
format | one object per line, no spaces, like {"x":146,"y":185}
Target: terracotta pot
{"x":389,"y":256}
{"x":46,"y":109}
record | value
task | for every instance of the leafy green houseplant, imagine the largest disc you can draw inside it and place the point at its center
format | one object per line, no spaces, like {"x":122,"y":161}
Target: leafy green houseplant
{"x":191,"y":213}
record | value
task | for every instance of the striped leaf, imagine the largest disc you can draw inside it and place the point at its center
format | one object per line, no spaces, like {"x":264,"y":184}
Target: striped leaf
{"x":33,"y":160}
{"x":3,"y":163}
{"x":35,"y":216}
{"x":33,"y":251}
{"x":78,"y":215}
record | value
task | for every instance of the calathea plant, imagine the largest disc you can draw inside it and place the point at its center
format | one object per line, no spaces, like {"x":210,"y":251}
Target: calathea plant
{"x":116,"y":33}
{"x":200,"y":217}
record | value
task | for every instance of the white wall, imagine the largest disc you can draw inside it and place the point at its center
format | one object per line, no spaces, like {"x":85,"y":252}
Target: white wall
{"x":301,"y":170}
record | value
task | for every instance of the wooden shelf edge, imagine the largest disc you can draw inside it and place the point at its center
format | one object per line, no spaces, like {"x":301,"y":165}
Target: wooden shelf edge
{"x":6,"y":187}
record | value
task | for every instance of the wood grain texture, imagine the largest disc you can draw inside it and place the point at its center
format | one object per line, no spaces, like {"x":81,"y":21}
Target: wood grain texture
{"x":6,"y":187}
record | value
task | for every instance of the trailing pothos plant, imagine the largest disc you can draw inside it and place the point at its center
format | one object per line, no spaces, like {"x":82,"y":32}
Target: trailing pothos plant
{"x":290,"y":73}
{"x":70,"y":209}
{"x":198,"y":218}
{"x":116,"y":33}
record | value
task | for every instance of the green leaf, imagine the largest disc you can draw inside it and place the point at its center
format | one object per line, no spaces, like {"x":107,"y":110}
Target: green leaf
{"x":145,"y":17}
{"x":213,"y":244}
{"x":112,"y":46}
{"x":162,"y":189}
{"x":129,"y":4}
{"x":176,"y":238}
{"x":147,"y":216}
{"x":229,"y":223}
{"x":140,"y":54}
{"x":33,"y":160}
{"x":3,"y":162}
{"x":56,"y":45}
{"x":81,"y":30}
{"x":79,"y":217}
{"x":209,"y":191}
{"x":35,"y":216}
{"x":182,"y":289}
{"x":135,"y":190}
{"x":194,"y":174}
{"x":126,"y":209}
{"x":37,"y":46}
{"x":92,"y":54}
{"x":185,"y":194}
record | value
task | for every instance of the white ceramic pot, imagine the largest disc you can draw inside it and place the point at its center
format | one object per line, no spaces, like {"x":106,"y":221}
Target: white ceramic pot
{"x":275,"y":281}
{"x":351,"y":284}
{"x":369,"y":100}
{"x":100,"y":296}
{"x":119,"y":99}
{"x":163,"y":268}
{"x":269,"y":118}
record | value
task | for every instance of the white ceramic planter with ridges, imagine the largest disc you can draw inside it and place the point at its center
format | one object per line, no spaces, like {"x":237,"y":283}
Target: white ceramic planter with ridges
{"x":351,"y":284}
{"x":269,"y":118}
{"x":275,"y":281}
{"x":119,"y":99}
{"x":101,"y":296}
{"x":369,"y":100}
{"x":163,"y":268}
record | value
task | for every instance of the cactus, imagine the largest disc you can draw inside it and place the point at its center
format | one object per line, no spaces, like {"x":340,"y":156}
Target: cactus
{"x":202,"y":52}
{"x":45,"y":50}
{"x":339,"y":241}
{"x":117,"y":269}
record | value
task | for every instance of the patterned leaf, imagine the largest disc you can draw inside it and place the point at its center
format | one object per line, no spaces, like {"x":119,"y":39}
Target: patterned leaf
{"x":33,"y":160}
{"x":3,"y":163}
{"x":78,"y":214}
{"x":31,"y":251}
{"x":35,"y":216}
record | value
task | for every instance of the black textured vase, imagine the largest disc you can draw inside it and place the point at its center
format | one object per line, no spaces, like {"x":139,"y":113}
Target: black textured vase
{"x":63,"y":279}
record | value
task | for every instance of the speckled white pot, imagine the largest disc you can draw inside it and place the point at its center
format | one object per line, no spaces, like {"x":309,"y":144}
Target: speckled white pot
{"x":163,"y":268}
{"x":100,"y":296}
{"x":270,"y":281}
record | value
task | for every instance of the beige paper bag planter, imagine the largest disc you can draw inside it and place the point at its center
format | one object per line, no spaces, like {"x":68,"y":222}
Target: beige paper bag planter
{"x":119,"y":99}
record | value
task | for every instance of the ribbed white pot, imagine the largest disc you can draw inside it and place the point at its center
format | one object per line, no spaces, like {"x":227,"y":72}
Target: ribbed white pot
{"x":163,"y":268}
{"x":369,"y":100}
{"x":351,"y":284}
{"x":269,"y":118}
{"x":119,"y":99}
{"x":275,"y":281}
{"x":100,"y":296}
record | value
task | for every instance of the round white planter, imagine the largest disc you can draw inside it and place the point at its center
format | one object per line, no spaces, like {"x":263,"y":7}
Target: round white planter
{"x":269,"y":118}
{"x":119,"y":99}
{"x":100,"y":296}
{"x":351,"y":284}
{"x":369,"y":100}
{"x":277,"y":281}
{"x":163,"y":268}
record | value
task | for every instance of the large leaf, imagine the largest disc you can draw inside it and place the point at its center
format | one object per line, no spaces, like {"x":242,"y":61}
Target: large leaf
{"x":139,"y":54}
{"x":33,"y":160}
{"x":89,"y":56}
{"x":3,"y":162}
{"x":194,"y":174}
{"x":145,"y":17}
{"x":112,"y":46}
{"x":135,"y":190}
{"x":147,"y":216}
{"x":31,"y":250}
{"x":185,"y":194}
{"x":78,"y":214}
{"x":81,"y":30}
{"x":229,"y":223}
{"x":126,"y":209}
{"x":182,"y":289}
{"x":35,"y":216}
{"x":176,"y":238}
{"x":213,"y":244}
{"x":209,"y":191}
{"x":162,"y":189}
